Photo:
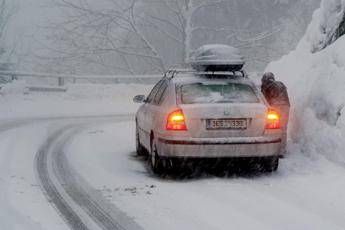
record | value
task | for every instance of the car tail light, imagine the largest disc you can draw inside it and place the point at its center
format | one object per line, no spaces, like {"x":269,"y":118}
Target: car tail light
{"x":272,"y":120}
{"x":176,"y":121}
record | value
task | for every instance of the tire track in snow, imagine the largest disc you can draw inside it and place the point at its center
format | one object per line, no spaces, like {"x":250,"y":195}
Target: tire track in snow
{"x":80,"y":205}
{"x":69,"y":215}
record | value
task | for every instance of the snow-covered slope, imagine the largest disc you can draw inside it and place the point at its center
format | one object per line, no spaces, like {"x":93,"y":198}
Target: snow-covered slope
{"x":316,"y":83}
{"x":325,"y":22}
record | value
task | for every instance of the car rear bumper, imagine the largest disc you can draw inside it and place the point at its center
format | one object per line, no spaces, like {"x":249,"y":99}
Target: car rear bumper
{"x":219,"y":147}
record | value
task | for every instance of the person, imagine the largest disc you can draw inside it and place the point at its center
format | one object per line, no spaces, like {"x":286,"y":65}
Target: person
{"x":277,"y":96}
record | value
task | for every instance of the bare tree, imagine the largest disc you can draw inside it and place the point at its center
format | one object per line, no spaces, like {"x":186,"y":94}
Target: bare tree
{"x":5,"y":52}
{"x":130,"y":33}
{"x":145,"y":36}
{"x":4,"y":17}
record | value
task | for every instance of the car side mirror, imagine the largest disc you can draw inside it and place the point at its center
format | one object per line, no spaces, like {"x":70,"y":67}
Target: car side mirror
{"x":139,"y":99}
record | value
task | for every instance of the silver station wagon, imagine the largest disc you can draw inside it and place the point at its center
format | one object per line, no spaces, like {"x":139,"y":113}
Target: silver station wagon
{"x":210,"y":114}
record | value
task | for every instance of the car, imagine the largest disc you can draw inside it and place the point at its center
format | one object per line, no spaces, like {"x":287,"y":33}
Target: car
{"x":208,"y":115}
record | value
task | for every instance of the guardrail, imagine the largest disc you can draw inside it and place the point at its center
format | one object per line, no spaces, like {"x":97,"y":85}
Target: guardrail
{"x":62,"y":77}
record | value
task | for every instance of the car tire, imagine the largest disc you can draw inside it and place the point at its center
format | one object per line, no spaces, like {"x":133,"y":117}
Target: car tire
{"x":270,"y":164}
{"x":156,"y":163}
{"x":139,"y":148}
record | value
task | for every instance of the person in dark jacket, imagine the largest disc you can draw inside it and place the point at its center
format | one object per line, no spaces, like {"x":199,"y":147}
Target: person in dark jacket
{"x":277,"y":96}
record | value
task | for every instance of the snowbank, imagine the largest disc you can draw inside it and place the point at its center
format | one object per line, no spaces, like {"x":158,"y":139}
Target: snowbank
{"x":316,"y":83}
{"x":17,"y":101}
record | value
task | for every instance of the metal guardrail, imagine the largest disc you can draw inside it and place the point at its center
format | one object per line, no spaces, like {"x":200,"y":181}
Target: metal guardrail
{"x":62,"y":77}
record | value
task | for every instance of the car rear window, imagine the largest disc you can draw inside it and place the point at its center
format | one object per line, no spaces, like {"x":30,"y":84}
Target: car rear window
{"x":203,"y":93}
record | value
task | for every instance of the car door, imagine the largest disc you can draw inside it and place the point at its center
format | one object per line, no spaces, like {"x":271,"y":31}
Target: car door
{"x":156,"y":109}
{"x":144,"y":118}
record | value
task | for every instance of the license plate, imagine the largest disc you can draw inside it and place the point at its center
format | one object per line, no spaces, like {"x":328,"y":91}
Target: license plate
{"x":226,"y":124}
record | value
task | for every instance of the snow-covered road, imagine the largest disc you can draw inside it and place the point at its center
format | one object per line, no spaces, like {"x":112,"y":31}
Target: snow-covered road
{"x":87,"y":169}
{"x":306,"y":192}
{"x":66,"y":173}
{"x":80,"y":205}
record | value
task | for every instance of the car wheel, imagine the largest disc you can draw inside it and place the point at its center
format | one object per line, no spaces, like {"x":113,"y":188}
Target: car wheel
{"x":270,"y":164}
{"x":139,"y":148}
{"x":156,"y":162}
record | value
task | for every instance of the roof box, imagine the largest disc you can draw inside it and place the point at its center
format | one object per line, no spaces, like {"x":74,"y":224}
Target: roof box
{"x":217,"y":58}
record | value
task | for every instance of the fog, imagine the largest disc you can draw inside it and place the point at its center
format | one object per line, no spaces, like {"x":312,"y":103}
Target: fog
{"x":26,"y":32}
{"x":263,"y":30}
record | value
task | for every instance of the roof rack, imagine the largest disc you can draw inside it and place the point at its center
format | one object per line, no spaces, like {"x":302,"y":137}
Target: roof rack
{"x":231,"y":74}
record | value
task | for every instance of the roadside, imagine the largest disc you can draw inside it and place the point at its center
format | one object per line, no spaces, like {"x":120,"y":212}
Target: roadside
{"x":78,"y":100}
{"x":23,"y":205}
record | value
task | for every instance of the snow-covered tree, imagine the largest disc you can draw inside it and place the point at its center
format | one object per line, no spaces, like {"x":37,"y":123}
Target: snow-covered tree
{"x":5,"y":52}
{"x":4,"y":18}
{"x":327,"y":25}
{"x":137,"y":34}
{"x":141,"y":36}
{"x":341,"y":28}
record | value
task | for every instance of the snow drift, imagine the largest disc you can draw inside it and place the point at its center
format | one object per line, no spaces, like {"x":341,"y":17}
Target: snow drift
{"x":315,"y":76}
